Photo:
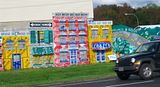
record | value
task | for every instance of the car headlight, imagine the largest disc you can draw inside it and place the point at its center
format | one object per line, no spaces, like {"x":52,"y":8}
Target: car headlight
{"x":117,"y":61}
{"x":133,"y":60}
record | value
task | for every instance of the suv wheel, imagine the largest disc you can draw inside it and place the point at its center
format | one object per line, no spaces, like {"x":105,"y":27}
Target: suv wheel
{"x":123,"y":76}
{"x":146,"y":71}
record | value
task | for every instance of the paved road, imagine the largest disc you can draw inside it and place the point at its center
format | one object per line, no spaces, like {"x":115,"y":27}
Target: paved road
{"x":134,"y":81}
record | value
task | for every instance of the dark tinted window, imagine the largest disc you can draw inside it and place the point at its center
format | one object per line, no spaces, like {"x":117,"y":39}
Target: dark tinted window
{"x":147,"y":47}
{"x":159,"y":47}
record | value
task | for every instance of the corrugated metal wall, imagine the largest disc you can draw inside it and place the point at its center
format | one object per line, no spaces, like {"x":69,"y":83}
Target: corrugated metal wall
{"x":27,"y":10}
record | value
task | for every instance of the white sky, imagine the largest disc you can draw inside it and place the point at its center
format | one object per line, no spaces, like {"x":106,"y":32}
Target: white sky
{"x":133,"y":3}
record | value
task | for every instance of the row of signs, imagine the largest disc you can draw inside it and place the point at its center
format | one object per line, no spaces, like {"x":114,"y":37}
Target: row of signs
{"x":49,"y":24}
{"x":70,"y":14}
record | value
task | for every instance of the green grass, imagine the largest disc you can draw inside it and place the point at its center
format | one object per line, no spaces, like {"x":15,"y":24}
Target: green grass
{"x":40,"y":76}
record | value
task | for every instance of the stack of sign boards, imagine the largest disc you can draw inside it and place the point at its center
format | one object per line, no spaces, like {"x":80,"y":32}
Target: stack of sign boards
{"x":70,"y":39}
{"x":15,"y":50}
{"x":100,"y":39}
{"x":41,"y":43}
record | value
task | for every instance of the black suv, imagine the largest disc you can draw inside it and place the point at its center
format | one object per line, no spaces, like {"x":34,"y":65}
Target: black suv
{"x":143,"y":62}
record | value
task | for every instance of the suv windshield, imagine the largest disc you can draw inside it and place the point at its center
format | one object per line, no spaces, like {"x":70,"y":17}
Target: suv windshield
{"x":148,"y":47}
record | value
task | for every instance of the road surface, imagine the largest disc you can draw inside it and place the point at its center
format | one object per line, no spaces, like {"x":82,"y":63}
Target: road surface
{"x":134,"y":81}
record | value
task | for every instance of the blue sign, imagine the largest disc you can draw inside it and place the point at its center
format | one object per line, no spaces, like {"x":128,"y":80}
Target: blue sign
{"x":101,"y":45}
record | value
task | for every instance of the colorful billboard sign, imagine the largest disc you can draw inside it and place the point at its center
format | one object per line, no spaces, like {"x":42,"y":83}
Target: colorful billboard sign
{"x":70,"y":39}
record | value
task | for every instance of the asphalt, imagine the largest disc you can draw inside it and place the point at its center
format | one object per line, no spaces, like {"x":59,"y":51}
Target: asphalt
{"x":133,"y":81}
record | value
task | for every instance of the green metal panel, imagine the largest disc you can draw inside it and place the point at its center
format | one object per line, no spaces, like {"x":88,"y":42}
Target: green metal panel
{"x":34,"y":50}
{"x":49,"y":50}
{"x":39,"y":50}
{"x":51,"y":36}
{"x":33,"y":36}
{"x":46,"y":36}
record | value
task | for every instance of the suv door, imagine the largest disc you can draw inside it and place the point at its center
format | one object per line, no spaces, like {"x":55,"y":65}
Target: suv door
{"x":157,"y":56}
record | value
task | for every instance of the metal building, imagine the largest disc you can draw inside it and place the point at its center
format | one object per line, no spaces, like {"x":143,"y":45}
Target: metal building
{"x":16,"y":14}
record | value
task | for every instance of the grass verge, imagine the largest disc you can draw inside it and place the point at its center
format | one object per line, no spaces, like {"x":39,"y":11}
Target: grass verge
{"x":32,"y":77}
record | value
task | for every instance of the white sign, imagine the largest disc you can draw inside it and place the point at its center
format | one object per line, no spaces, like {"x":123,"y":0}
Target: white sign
{"x":18,"y":33}
{"x":100,"y":22}
{"x":40,"y":24}
{"x":112,"y":57}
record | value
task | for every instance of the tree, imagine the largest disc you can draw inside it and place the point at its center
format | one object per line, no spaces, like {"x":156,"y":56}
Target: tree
{"x":147,"y":15}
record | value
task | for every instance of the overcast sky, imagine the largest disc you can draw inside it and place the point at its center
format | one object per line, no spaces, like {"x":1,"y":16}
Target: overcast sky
{"x":133,"y":3}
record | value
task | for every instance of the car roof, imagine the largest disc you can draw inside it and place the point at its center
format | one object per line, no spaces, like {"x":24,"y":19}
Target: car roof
{"x":156,"y":41}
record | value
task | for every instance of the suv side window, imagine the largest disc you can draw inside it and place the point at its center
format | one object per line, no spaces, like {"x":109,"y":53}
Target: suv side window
{"x":158,"y":48}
